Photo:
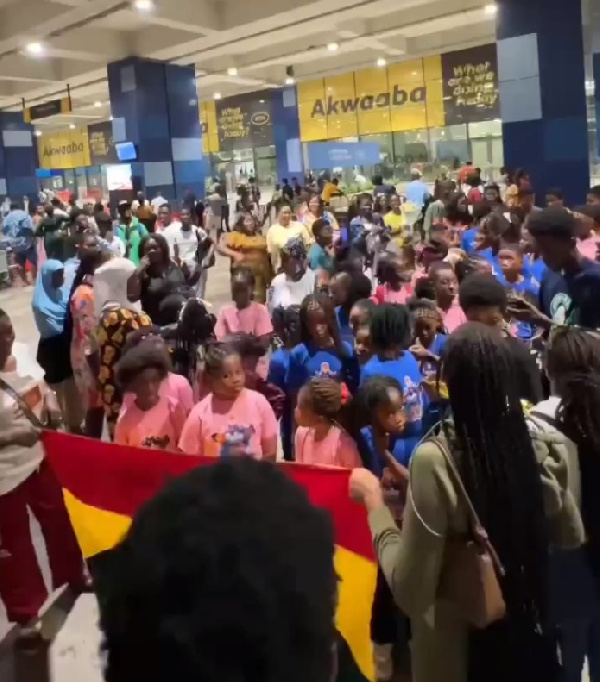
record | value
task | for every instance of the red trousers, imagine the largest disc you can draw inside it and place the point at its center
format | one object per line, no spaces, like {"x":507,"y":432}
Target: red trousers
{"x":21,"y":582}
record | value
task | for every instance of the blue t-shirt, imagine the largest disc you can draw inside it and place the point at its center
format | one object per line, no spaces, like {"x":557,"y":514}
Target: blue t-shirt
{"x":467,"y":240}
{"x":534,"y":269}
{"x":436,"y":348}
{"x":343,"y":320}
{"x":415,"y":192}
{"x":307,"y":362}
{"x":491,"y":259}
{"x":405,"y":370}
{"x":401,"y":449}
{"x":278,"y":367}
{"x":530,"y":288}
{"x":572,"y":298}
{"x":319,"y":259}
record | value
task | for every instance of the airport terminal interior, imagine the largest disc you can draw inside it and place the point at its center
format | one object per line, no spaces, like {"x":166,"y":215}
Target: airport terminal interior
{"x":179,"y":101}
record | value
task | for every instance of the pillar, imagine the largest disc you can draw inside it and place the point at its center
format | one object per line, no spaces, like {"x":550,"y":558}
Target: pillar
{"x":18,"y":158}
{"x":542,"y":93}
{"x":155,"y":106}
{"x":286,"y":134}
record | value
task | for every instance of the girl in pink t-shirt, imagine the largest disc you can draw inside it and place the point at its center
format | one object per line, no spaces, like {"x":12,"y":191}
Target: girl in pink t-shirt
{"x":150,"y":420}
{"x":319,"y":437}
{"x":395,"y":288}
{"x":232,"y":419}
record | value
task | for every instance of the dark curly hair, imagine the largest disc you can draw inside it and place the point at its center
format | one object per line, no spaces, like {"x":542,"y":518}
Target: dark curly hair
{"x":196,"y":593}
{"x":146,"y":355}
{"x":162,"y":243}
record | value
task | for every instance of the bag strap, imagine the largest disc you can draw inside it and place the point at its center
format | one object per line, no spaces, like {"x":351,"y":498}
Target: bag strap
{"x":27,"y":411}
{"x":478,"y":532}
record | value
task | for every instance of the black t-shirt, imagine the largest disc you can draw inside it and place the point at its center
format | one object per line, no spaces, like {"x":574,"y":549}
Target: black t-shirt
{"x":156,"y":289}
{"x":529,"y":377}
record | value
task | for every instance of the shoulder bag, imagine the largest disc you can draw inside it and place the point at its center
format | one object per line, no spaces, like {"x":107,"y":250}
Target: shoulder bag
{"x":470,"y":577}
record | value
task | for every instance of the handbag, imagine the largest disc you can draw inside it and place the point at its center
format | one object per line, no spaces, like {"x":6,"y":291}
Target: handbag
{"x":470,"y":577}
{"x":23,"y":406}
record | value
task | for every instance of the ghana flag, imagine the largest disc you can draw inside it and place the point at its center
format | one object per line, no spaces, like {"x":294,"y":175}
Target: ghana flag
{"x":105,"y":484}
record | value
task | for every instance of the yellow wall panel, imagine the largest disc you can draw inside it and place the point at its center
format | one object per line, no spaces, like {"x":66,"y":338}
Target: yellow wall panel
{"x":407,"y":75}
{"x":312,"y":108}
{"x":373,"y":110}
{"x":407,"y":96}
{"x":64,"y":149}
{"x":341,"y":103}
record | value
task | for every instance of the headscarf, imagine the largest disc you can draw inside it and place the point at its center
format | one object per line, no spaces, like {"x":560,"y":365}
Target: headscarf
{"x":110,"y":285}
{"x":49,"y":303}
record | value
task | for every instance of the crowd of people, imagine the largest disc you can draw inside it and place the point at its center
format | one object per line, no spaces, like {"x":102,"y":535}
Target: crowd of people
{"x":453,"y":366}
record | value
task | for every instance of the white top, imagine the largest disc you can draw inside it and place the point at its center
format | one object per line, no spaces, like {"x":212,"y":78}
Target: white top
{"x":186,"y":240}
{"x":158,"y":201}
{"x":285,"y":292}
{"x":16,"y":462}
{"x":115,"y":245}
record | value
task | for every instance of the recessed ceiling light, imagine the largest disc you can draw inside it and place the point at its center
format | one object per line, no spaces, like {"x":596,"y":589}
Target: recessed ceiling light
{"x":261,"y":101}
{"x":35,"y":48}
{"x":491,"y":9}
{"x":143,"y":5}
{"x":110,"y":118}
{"x":381,"y":62}
{"x":97,"y":103}
{"x":290,"y":80}
{"x":37,"y":133}
{"x":217,"y":95}
{"x":232,"y":71}
{"x":333,"y":47}
{"x":72,"y":126}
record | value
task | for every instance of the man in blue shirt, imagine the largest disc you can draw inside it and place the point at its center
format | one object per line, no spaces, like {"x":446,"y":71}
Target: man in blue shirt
{"x":570,"y":287}
{"x":416,"y":190}
{"x":19,"y":233}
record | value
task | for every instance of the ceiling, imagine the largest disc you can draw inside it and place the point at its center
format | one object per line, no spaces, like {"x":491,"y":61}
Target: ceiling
{"x":258,"y":39}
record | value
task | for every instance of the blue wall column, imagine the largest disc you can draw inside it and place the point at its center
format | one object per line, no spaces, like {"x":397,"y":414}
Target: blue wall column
{"x":542,"y":94}
{"x":286,"y":134}
{"x":18,"y":158}
{"x":155,"y":106}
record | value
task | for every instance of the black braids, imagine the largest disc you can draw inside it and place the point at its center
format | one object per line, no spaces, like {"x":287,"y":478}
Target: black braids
{"x":499,"y":468}
{"x":390,"y":327}
{"x":195,"y":329}
{"x":313,"y":302}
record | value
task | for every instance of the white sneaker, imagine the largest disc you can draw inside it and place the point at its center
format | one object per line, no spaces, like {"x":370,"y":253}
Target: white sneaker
{"x":382,"y":659}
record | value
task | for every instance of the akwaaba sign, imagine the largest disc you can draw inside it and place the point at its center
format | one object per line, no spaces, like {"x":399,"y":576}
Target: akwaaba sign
{"x":397,"y":97}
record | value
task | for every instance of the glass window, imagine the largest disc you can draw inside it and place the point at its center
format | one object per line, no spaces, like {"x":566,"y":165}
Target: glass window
{"x":487,"y":151}
{"x":449,"y":148}
{"x":385,"y":167}
{"x":411,"y":148}
{"x":265,"y":152}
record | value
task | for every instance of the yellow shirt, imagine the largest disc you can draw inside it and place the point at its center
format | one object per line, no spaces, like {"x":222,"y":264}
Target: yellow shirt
{"x":278,"y":236}
{"x":395,"y":221}
{"x":329,"y":190}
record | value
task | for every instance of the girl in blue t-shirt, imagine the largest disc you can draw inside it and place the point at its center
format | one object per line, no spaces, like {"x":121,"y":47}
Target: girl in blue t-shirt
{"x":390,"y":337}
{"x":515,"y":278}
{"x":321,"y":352}
{"x":286,"y":324}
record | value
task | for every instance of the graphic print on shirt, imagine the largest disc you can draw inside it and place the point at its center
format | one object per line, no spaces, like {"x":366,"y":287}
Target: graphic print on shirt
{"x":160,"y":442}
{"x":560,"y":307}
{"x":326,"y":371}
{"x":235,"y":441}
{"x":413,"y":400}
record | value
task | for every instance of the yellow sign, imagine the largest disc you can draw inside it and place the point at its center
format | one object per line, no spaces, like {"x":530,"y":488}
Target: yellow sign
{"x":64,"y":149}
{"x":210,"y":135}
{"x":46,"y":109}
{"x":406,"y":96}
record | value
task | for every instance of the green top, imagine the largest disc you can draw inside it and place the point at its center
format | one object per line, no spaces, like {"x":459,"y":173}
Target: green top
{"x":132,"y":236}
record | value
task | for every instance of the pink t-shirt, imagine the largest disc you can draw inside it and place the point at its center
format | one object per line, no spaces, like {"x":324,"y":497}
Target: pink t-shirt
{"x":588,"y":247}
{"x":254,"y":319}
{"x":336,"y":449}
{"x":219,"y":428}
{"x":453,"y":318}
{"x":175,"y":387}
{"x":159,"y":427}
{"x":400,"y":297}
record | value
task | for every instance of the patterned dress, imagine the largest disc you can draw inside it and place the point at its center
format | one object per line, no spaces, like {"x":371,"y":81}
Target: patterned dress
{"x":111,"y":333}
{"x":82,"y":342}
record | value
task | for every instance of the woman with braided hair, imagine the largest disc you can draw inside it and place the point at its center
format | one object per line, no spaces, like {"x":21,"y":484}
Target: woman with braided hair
{"x":322,"y":407}
{"x":520,"y":494}
{"x":573,"y":366}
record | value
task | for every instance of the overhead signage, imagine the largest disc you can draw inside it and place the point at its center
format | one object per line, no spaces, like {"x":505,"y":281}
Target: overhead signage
{"x":64,"y":149}
{"x":383,"y":100}
{"x":101,"y":143}
{"x":342,"y":154}
{"x":244,"y":121}
{"x":47,"y":109}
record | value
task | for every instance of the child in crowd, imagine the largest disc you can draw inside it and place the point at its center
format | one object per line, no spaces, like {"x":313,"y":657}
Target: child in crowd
{"x":286,"y":322}
{"x":445,"y":286}
{"x":363,"y":347}
{"x":467,"y":240}
{"x":395,"y":221}
{"x":587,"y":218}
{"x":512,"y":268}
{"x":149,"y":420}
{"x":174,"y":385}
{"x":469,"y":263}
{"x":321,"y":351}
{"x":393,"y":288}
{"x":320,"y":254}
{"x":252,"y":353}
{"x":391,"y":336}
{"x":347,"y":287}
{"x":320,"y":438}
{"x":429,"y":340}
{"x":382,"y":446}
{"x":411,"y":270}
{"x":494,"y":229}
{"x":232,"y":419}
{"x":534,"y":266}
{"x":360,"y":314}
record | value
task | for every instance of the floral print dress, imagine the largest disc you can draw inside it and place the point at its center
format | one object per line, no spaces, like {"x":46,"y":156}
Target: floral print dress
{"x":111,"y":333}
{"x":82,"y":342}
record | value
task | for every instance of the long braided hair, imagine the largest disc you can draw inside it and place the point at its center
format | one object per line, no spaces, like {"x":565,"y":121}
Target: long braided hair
{"x":500,"y":472}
